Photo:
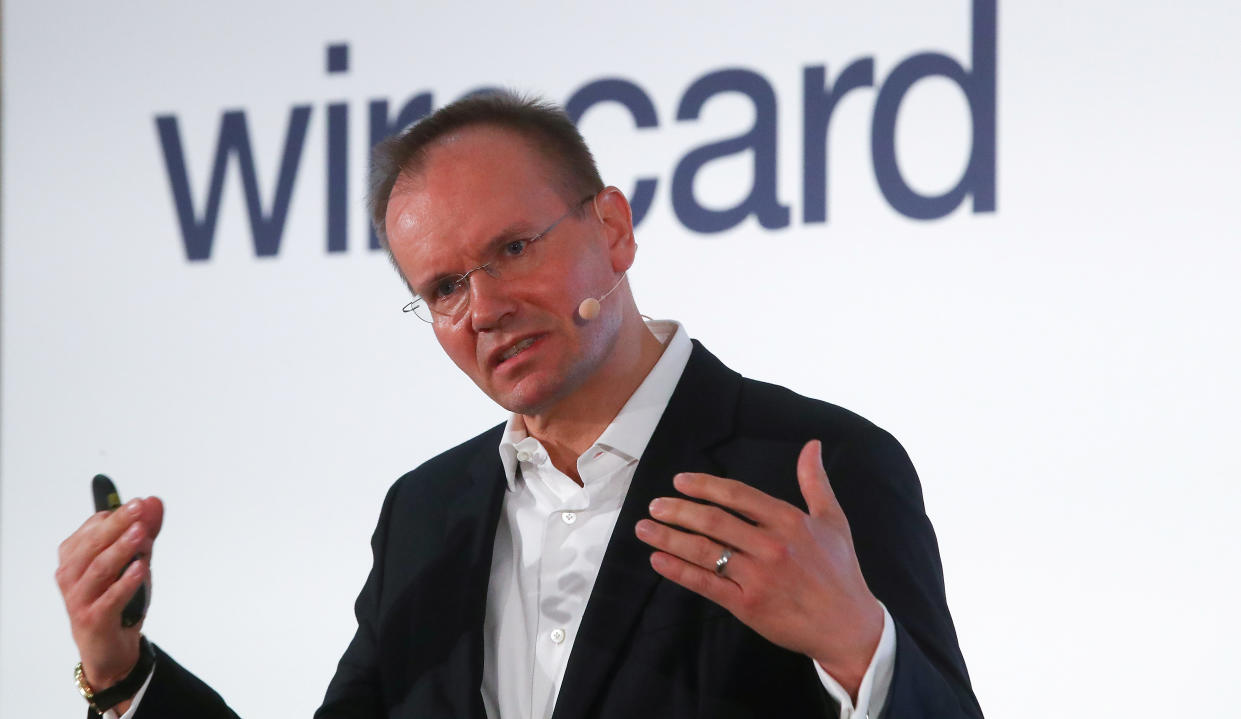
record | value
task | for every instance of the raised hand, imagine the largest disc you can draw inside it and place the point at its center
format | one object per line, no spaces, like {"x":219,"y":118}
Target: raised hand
{"x":791,"y":576}
{"x":95,"y":590}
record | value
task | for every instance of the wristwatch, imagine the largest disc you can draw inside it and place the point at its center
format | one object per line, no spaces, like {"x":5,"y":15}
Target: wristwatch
{"x":102,"y":700}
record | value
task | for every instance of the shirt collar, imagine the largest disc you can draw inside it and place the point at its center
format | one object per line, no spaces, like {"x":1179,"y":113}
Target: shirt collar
{"x":631,"y":429}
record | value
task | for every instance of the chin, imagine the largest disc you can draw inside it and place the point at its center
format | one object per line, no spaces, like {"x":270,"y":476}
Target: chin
{"x":532,"y":395}
{"x":527,"y":403}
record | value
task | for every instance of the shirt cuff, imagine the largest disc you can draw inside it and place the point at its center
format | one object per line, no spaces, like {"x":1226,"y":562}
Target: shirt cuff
{"x":133,"y":703}
{"x":873,"y":691}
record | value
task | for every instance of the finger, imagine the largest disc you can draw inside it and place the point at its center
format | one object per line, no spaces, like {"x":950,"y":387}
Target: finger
{"x":107,"y":566}
{"x":96,"y":534}
{"x":152,"y":515}
{"x":693,"y":548}
{"x":83,"y":535}
{"x":112,"y":602}
{"x":747,"y":501}
{"x":812,"y":478}
{"x":152,"y":518}
{"x":720,"y":590}
{"x":710,"y":521}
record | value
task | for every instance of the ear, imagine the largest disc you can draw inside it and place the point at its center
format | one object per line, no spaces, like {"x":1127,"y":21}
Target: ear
{"x":615,"y":218}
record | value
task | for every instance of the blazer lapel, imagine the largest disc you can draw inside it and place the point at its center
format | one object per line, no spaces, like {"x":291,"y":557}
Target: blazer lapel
{"x":486,"y":495}
{"x":699,"y":415}
{"x":451,"y":595}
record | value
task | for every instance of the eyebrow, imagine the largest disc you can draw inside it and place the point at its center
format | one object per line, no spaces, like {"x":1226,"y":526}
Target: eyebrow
{"x":514,"y":231}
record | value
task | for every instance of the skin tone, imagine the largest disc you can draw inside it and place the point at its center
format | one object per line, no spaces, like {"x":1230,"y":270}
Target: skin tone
{"x":485,"y":185}
{"x":793,"y":577}
{"x":793,"y":574}
{"x":91,"y":559}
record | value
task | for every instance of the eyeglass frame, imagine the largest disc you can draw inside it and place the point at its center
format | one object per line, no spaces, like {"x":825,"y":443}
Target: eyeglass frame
{"x":464,"y":278}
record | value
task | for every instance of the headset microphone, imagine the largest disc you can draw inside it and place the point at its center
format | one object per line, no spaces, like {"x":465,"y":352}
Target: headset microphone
{"x":590,"y":307}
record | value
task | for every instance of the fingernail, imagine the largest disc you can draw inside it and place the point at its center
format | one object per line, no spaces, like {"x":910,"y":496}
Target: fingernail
{"x":680,"y":481}
{"x":132,"y":506}
{"x":133,"y":532}
{"x":645,"y":529}
{"x":658,"y":507}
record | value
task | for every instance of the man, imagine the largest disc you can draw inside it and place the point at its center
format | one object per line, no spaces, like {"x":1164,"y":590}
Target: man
{"x":655,"y":535}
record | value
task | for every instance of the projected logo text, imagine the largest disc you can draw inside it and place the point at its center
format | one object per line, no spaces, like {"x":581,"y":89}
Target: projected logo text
{"x":820,"y":96}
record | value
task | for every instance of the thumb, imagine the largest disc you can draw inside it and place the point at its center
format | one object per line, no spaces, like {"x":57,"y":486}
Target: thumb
{"x":812,"y":478}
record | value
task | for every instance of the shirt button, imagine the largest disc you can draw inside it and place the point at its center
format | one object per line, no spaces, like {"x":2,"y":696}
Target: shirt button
{"x":557,"y":635}
{"x":523,"y":456}
{"x":568,"y":517}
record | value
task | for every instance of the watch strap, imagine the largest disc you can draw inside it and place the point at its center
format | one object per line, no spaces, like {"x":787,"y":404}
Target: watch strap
{"x":102,"y":700}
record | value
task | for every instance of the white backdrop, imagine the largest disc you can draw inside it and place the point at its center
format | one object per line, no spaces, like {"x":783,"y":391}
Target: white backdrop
{"x":1062,"y":370}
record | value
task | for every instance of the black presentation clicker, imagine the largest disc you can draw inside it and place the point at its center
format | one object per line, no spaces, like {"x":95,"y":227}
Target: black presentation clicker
{"x":108,"y":500}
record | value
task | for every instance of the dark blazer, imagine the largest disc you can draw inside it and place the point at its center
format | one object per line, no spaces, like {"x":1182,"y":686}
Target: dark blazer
{"x":646,"y":647}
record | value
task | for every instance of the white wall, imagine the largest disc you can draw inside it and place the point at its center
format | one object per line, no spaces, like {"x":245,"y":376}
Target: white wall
{"x":1062,"y":370}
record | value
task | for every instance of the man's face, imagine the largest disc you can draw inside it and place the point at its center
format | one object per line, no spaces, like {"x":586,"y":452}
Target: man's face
{"x":479,"y":187}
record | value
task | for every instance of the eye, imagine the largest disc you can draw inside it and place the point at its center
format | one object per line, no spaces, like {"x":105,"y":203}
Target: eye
{"x":516,"y":248}
{"x":443,"y":288}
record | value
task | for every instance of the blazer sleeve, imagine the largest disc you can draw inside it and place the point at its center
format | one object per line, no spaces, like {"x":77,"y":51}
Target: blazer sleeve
{"x":174,"y":691}
{"x":355,"y":691}
{"x":899,"y":556}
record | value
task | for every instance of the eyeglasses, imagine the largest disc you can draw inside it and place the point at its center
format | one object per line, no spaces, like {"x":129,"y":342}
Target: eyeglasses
{"x":447,"y":298}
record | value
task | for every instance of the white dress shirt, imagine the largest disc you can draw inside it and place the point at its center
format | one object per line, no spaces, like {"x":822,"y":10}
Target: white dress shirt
{"x":550,"y":542}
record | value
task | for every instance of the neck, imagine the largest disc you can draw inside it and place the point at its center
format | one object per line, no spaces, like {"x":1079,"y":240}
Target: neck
{"x":569,"y":428}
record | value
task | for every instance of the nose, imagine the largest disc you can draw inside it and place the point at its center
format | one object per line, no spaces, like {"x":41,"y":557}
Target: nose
{"x":490,"y":301}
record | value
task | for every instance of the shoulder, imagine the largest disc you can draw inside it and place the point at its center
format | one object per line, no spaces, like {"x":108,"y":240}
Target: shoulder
{"x":766,"y":409}
{"x":441,"y":475}
{"x":763,"y":410}
{"x":762,"y":413}
{"x":850,"y":441}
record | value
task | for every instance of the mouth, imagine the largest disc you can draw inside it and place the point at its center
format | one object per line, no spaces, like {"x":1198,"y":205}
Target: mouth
{"x":513,"y":350}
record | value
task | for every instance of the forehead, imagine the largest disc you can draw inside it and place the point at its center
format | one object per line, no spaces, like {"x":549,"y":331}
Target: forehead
{"x":471,"y":187}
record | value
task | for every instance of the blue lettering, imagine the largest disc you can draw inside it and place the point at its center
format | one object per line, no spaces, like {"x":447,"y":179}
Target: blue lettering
{"x":337,"y":177}
{"x":634,"y":99}
{"x":234,"y":139}
{"x":820,"y":99}
{"x":818,"y":102}
{"x":337,"y":164}
{"x":414,"y":109}
{"x":978,"y":84}
{"x":760,"y":140}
